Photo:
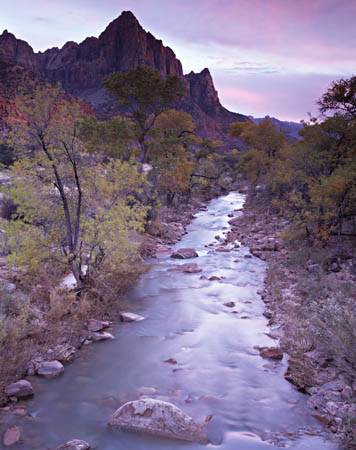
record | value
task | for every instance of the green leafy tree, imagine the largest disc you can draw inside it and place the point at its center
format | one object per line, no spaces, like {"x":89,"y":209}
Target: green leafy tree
{"x":264,"y":143}
{"x":169,"y":153}
{"x":7,"y":156}
{"x":111,"y":138}
{"x":145,"y":94}
{"x":72,"y":214}
{"x":340,"y":98}
{"x":315,"y":182}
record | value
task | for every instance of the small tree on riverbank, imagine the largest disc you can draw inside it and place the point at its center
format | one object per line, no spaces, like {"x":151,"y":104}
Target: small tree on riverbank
{"x":71,"y":213}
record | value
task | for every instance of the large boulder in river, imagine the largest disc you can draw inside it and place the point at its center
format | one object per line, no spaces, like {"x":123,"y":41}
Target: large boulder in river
{"x":185,"y":253}
{"x":158,"y":418}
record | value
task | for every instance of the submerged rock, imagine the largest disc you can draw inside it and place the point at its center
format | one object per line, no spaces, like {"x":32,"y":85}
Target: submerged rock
{"x":186,"y":268}
{"x":158,"y":418}
{"x":229,"y":304}
{"x":185,"y":253}
{"x":171,"y":361}
{"x":75,"y":444}
{"x":20,"y":389}
{"x":12,"y":436}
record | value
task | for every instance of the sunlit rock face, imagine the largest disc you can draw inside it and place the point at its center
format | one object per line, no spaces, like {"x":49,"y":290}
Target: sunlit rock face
{"x":82,"y":69}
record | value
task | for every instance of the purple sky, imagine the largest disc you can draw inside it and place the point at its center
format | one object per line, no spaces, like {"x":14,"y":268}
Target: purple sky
{"x":271,"y":57}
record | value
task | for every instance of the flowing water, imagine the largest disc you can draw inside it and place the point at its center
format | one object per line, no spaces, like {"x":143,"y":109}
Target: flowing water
{"x":218,"y":371}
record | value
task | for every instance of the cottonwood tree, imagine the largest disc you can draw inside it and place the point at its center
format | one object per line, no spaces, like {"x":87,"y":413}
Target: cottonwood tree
{"x":71,"y":213}
{"x":169,"y":153}
{"x":145,"y":94}
{"x":264,"y":143}
{"x":112,"y":138}
{"x":313,"y":180}
{"x":340,"y":98}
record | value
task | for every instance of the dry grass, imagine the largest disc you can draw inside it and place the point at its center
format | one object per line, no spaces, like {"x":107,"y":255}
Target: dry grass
{"x":33,"y":322}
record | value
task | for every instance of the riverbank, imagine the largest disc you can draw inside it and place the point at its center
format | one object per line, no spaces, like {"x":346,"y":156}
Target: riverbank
{"x":198,"y":348}
{"x":309,"y":295}
{"x":41,"y":324}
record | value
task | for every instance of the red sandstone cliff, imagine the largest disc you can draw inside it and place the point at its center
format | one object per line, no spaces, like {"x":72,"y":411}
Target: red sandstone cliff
{"x":82,"y":68}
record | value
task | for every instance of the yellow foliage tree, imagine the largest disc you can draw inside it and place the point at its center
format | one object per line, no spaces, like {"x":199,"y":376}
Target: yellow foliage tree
{"x":71,"y":212}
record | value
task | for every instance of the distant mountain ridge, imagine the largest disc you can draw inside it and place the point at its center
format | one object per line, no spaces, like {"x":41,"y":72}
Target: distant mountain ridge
{"x":291,"y":128}
{"x":124,"y":44}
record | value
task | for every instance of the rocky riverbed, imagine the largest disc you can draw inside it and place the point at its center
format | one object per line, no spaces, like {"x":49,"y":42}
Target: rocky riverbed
{"x":48,"y":345}
{"x":314,"y":367}
{"x":202,"y":346}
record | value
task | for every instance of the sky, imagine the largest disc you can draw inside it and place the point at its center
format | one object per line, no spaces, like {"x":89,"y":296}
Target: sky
{"x":267,"y":57}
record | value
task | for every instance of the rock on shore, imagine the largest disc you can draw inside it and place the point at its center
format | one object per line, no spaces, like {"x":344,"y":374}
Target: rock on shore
{"x":20,"y":389}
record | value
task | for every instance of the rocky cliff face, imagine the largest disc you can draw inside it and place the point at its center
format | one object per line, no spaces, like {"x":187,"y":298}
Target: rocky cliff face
{"x":11,"y":77}
{"x":82,"y":68}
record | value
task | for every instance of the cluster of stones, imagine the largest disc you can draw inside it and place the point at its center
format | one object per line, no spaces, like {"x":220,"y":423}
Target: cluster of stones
{"x":331,"y":393}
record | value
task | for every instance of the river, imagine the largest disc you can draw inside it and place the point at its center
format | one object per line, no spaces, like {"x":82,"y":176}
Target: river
{"x":218,"y":371}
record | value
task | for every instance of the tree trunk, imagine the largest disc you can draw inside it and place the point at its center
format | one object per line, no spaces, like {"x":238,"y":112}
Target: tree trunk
{"x":78,"y":274}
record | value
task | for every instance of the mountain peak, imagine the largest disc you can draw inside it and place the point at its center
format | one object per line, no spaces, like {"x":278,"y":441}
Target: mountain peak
{"x":128,"y":15}
{"x":123,"y":45}
{"x":125,"y":20}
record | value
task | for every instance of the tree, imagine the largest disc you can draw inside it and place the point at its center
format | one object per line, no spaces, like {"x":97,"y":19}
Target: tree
{"x":264,"y":143}
{"x":145,"y":94}
{"x":7,"y":156}
{"x":315,"y":181}
{"x":111,"y":138}
{"x":169,"y":153}
{"x":311,"y":181}
{"x":71,"y":213}
{"x":340,"y":98}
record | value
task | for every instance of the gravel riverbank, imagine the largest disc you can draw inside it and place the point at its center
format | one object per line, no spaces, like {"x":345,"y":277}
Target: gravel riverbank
{"x":309,"y":295}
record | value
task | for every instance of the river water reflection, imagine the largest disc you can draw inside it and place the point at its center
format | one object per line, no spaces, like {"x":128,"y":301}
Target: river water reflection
{"x":218,"y":371}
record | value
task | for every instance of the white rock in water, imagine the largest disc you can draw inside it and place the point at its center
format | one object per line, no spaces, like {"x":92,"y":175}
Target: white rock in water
{"x":130,"y":317}
{"x":103,"y":336}
{"x":75,"y":444}
{"x":158,"y":418}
